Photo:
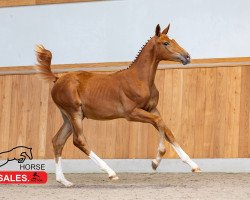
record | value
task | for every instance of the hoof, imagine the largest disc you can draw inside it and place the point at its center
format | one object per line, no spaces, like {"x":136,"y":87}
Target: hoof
{"x":196,"y":170}
{"x":114,"y":178}
{"x":65,"y":182}
{"x":154,"y":164}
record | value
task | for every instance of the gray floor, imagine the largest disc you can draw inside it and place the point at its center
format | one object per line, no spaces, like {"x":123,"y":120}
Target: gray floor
{"x":137,"y":186}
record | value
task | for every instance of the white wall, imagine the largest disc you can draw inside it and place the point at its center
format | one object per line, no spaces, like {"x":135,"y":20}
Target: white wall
{"x":115,"y":30}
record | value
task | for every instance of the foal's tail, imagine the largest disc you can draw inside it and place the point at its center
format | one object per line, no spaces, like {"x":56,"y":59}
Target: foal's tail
{"x":44,"y":57}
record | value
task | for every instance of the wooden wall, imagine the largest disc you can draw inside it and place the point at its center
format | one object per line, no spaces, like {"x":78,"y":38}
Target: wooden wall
{"x":208,"y":108}
{"x":9,"y":3}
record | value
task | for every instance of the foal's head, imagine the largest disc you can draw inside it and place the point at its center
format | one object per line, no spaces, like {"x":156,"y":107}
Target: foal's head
{"x":169,"y":49}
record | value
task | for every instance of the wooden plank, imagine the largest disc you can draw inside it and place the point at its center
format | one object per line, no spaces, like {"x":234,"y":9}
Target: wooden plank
{"x":22,"y":111}
{"x":142,"y":140}
{"x":15,"y":105}
{"x":100,"y":137}
{"x":33,"y":116}
{"x":5,"y":107}
{"x":200,"y":113}
{"x":2,"y":118}
{"x":188,"y":110}
{"x":110,"y":142}
{"x":221,"y":111}
{"x":134,"y":129}
{"x":231,"y":144}
{"x":42,"y":133}
{"x":176,"y":108}
{"x":244,"y":135}
{"x":122,"y":139}
{"x":192,"y":111}
{"x":18,"y":110}
{"x":210,"y":112}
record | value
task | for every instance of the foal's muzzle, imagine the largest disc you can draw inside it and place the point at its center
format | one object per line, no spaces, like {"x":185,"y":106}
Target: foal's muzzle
{"x":185,"y":59}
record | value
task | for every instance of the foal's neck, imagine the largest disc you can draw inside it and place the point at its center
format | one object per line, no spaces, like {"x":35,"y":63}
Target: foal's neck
{"x":146,"y":63}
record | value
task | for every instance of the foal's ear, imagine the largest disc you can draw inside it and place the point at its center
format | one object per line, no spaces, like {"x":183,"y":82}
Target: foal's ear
{"x":158,"y":30}
{"x":165,"y":31}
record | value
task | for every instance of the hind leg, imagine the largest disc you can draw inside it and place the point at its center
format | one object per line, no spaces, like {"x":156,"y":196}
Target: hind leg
{"x":59,"y":141}
{"x":80,"y":141}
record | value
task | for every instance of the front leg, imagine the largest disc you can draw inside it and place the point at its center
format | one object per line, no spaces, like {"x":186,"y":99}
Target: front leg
{"x":161,"y":150}
{"x":160,"y":153}
{"x":140,"y":115}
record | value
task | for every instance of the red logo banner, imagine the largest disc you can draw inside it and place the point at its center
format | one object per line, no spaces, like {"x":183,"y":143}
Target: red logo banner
{"x":23,"y":177}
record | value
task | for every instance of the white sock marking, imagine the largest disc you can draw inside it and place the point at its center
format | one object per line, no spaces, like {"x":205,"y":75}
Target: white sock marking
{"x":161,"y":147}
{"x":59,"y":174}
{"x":184,"y":157}
{"x":101,"y":164}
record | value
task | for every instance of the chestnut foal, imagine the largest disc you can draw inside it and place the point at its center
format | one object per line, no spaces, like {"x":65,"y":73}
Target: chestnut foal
{"x":129,"y":94}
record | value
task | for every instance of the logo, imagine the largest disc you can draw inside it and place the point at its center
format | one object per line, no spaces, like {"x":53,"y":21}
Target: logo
{"x":22,"y":152}
{"x":23,"y":177}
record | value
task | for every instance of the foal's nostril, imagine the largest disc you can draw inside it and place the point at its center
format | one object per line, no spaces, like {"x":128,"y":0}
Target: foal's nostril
{"x":188,"y":57}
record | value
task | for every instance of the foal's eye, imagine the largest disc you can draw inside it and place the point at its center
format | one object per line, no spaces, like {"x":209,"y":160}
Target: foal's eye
{"x":166,"y":43}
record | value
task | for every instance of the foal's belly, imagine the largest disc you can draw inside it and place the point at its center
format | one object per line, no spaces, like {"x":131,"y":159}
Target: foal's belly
{"x":101,"y":107}
{"x":102,"y":112}
{"x":100,"y":98}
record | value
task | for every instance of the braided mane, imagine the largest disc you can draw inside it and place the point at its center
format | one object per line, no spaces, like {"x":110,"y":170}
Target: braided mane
{"x":139,"y":52}
{"x":137,"y":55}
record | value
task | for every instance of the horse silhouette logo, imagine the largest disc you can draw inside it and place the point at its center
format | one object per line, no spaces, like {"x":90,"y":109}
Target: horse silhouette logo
{"x":19,"y":153}
{"x":36,"y":178}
